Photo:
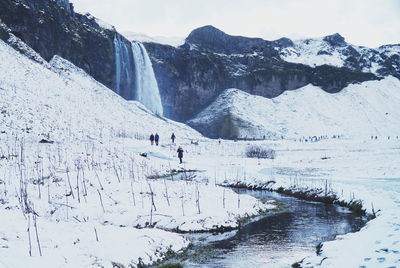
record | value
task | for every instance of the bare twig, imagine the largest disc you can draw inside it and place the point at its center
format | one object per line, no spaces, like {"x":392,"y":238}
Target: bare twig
{"x":37,"y":235}
{"x":29,"y":235}
{"x":95,"y":231}
{"x":101,"y":200}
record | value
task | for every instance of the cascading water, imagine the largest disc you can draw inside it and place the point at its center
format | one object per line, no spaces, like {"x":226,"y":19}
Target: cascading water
{"x":134,"y":75}
{"x":124,"y":69}
{"x":146,"y":84}
{"x":118,"y":66}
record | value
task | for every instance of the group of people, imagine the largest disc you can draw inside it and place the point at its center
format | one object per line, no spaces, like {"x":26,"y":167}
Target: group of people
{"x":388,"y":137}
{"x":155,"y":138}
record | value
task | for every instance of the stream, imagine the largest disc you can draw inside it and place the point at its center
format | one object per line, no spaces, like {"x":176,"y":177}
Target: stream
{"x":278,"y":240}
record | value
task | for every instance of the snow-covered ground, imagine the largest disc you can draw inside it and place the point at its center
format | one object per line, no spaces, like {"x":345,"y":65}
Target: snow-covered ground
{"x":88,"y":198}
{"x":359,"y":110}
{"x":74,"y":187}
{"x":366,"y":170}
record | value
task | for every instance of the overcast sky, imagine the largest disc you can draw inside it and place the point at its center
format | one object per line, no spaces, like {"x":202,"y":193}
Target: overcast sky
{"x":362,"y":22}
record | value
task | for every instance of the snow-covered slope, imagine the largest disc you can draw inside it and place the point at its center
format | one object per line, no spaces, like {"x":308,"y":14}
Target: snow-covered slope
{"x":358,"y":111}
{"x":60,"y":103}
{"x":333,"y":50}
{"x":64,"y":100}
{"x":314,"y":52}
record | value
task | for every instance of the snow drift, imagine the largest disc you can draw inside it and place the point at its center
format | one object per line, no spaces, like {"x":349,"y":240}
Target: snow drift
{"x":359,"y":110}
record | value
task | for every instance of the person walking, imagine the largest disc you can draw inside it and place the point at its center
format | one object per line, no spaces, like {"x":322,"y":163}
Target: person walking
{"x":152,"y":138}
{"x":173,"y":137}
{"x":180,"y":154}
{"x":156,"y":138}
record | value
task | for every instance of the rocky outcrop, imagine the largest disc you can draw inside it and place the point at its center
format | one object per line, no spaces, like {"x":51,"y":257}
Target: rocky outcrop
{"x":335,"y":40}
{"x":191,"y":76}
{"x":53,"y":28}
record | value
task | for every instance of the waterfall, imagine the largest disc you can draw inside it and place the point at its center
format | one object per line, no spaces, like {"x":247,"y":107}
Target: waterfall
{"x":118,"y":66}
{"x":146,"y":84}
{"x":134,"y":75}
{"x":124,"y":69}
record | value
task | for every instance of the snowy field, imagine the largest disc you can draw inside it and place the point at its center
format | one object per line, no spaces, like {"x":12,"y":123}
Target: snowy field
{"x":366,"y":170}
{"x":74,"y":190}
{"x":85,"y":197}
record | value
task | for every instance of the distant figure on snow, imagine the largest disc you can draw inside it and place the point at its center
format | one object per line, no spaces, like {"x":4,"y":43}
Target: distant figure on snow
{"x":180,"y":154}
{"x":173,"y":138}
{"x":152,"y":138}
{"x":219,"y":140}
{"x":156,"y":138}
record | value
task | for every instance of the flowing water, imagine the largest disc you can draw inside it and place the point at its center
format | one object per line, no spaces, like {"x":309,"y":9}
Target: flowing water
{"x":124,"y":70}
{"x":146,"y":84}
{"x":278,"y":240}
{"x":134,"y":75}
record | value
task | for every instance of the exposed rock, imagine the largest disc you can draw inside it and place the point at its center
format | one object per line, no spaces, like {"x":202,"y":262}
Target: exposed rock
{"x":191,"y":76}
{"x":52,"y":28}
{"x":212,"y":39}
{"x":335,"y":40}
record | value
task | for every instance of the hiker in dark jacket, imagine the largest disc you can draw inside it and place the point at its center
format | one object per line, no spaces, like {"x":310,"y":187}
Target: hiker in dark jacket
{"x":156,"y":138}
{"x":173,"y":137}
{"x":180,"y":154}
{"x":152,"y":138}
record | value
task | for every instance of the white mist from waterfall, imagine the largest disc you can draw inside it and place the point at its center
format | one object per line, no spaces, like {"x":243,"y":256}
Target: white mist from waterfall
{"x":146,"y":84}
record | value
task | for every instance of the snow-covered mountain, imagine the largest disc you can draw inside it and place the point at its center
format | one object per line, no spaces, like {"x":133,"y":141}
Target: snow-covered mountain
{"x":333,"y":50}
{"x":358,"y":111}
{"x":191,"y":76}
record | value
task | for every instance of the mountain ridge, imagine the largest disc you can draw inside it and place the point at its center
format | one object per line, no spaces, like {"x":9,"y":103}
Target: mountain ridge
{"x":211,"y":61}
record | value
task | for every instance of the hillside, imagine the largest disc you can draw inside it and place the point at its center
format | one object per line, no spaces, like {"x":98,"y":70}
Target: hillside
{"x":52,"y":100}
{"x":60,"y":104}
{"x":191,"y":76}
{"x":358,"y":111}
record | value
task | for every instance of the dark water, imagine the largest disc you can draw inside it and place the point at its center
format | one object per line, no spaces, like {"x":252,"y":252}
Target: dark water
{"x":274,"y":241}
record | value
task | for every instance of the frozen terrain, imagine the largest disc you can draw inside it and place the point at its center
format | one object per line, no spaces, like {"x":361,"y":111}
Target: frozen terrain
{"x":85,"y":197}
{"x":359,"y":110}
{"x":365,"y":170}
{"x":74,"y":190}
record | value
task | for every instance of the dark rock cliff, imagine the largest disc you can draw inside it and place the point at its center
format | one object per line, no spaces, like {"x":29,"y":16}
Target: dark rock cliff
{"x":53,"y":28}
{"x":191,"y":76}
